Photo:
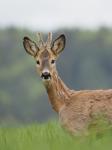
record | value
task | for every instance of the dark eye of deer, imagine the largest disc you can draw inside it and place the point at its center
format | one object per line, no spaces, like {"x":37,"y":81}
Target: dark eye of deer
{"x":38,"y":62}
{"x":52,"y":61}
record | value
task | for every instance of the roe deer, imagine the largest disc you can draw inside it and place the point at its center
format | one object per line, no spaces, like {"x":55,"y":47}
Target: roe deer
{"x":75,"y":108}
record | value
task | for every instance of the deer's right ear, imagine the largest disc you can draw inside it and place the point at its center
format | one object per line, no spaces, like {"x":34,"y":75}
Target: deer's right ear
{"x":30,"y":46}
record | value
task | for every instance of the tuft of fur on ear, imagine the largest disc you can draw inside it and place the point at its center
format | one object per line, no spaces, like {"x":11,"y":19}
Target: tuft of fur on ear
{"x":30,"y":46}
{"x":59,"y":44}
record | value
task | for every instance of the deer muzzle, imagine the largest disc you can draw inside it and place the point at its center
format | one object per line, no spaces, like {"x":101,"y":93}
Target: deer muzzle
{"x":46,"y":75}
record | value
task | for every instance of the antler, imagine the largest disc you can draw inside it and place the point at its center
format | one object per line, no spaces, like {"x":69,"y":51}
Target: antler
{"x":41,"y":42}
{"x":49,"y":39}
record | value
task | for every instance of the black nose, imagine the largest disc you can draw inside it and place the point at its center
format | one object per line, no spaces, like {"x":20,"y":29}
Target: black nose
{"x":46,"y":75}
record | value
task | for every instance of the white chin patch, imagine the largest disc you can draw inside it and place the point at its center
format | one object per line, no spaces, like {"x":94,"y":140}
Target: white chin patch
{"x":45,"y":80}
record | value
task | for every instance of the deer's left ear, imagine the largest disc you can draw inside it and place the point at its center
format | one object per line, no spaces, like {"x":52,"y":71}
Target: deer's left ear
{"x":59,"y":44}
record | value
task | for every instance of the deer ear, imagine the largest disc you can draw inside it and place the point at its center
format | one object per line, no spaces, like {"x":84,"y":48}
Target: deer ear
{"x":59,"y":44}
{"x":30,"y":46}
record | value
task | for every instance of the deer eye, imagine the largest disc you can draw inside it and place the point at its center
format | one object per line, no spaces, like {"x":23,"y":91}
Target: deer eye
{"x":52,"y":61}
{"x":38,"y":63}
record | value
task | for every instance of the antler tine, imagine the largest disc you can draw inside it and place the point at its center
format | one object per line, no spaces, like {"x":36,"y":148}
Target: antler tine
{"x":49,"y":40}
{"x":41,"y":42}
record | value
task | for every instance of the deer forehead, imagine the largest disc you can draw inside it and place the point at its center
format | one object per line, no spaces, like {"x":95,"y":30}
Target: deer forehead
{"x":45,"y":55}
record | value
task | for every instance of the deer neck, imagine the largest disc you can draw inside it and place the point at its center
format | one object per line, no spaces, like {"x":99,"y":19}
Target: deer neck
{"x":58,"y":92}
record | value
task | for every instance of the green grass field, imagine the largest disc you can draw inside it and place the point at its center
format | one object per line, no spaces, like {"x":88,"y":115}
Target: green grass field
{"x":51,"y":136}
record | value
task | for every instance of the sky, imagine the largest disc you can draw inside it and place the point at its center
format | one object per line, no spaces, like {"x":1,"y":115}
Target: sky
{"x":53,"y":14}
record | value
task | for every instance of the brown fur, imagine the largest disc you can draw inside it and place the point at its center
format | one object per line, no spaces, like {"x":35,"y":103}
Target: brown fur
{"x":76,"y":109}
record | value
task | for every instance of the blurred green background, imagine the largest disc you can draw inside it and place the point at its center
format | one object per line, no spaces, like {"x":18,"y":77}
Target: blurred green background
{"x":86,"y":63}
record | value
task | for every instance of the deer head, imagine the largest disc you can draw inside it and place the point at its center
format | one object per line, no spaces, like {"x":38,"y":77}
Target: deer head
{"x":45,"y":53}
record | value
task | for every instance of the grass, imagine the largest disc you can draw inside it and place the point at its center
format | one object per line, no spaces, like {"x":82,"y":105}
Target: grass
{"x":51,"y":136}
